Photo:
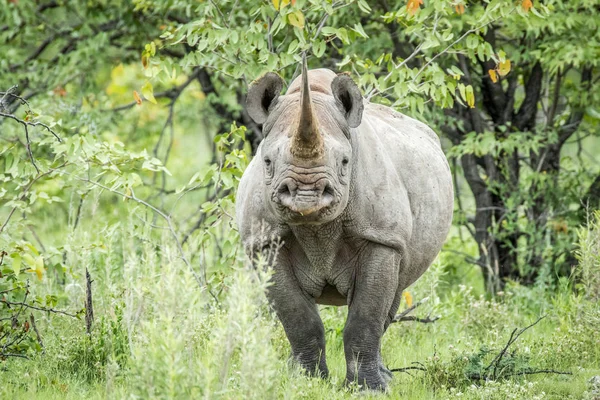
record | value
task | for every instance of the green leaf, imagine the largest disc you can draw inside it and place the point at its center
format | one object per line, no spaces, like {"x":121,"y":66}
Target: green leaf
{"x":16,"y":264}
{"x":319,"y":48}
{"x":148,"y":92}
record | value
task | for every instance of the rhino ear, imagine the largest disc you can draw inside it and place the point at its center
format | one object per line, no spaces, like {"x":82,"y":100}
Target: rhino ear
{"x":348,"y":98}
{"x":261,"y":94}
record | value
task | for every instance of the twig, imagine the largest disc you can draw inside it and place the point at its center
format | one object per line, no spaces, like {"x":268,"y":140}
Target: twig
{"x":37,"y":333}
{"x":541,"y":371}
{"x":6,"y":355}
{"x":25,"y":305}
{"x":464,"y":35}
{"x":426,"y":320}
{"x":89,"y":306}
{"x":406,"y":369}
{"x":513,"y":338}
{"x":29,"y":123}
{"x":403,"y":316}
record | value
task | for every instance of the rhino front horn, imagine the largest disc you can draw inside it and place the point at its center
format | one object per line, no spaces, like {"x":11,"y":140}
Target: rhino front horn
{"x":308,"y":142}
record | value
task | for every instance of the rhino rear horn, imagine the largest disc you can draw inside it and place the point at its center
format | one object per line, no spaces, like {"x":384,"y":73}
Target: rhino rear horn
{"x":348,"y":98}
{"x":261,"y":95}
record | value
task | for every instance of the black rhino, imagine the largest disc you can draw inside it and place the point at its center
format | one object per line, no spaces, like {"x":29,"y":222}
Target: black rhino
{"x":361,"y":198}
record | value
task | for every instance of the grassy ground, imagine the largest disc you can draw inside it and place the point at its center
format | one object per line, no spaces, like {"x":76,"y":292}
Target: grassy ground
{"x":157,"y":335}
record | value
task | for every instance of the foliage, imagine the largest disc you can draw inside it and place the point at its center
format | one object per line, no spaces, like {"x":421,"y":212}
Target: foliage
{"x":588,"y":254}
{"x":89,"y":355}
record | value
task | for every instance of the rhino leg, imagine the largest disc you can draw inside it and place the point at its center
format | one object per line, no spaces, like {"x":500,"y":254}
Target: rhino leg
{"x":385,"y":372}
{"x":374,"y":295}
{"x":300,"y":318}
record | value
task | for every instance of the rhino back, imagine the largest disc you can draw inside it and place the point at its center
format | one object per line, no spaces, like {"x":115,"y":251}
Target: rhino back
{"x":402,"y":188}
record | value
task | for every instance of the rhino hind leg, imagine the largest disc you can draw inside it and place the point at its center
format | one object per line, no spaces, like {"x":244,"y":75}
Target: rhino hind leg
{"x":374,"y":296}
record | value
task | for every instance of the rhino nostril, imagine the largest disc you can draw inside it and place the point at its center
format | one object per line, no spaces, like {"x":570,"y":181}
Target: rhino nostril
{"x":286,"y":189}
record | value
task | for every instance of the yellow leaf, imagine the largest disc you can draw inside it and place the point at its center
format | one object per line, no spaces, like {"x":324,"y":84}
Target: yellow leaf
{"x":39,"y":267}
{"x":296,"y":19}
{"x":408,"y":298}
{"x":526,"y":4}
{"x":137,"y":97}
{"x":148,"y":92}
{"x":470,"y":96}
{"x":413,"y":6}
{"x":493,"y":75}
{"x":277,"y":4}
{"x":504,"y":67}
{"x":460,"y":9}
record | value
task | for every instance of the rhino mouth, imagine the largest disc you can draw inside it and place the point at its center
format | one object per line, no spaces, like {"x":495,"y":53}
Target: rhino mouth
{"x":305,"y":200}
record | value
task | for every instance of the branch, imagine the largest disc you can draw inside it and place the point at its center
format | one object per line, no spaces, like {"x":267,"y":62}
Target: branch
{"x":6,"y":355}
{"x":89,"y":304}
{"x":172,"y":93}
{"x":576,"y":116}
{"x":403,"y":316}
{"x":35,"y":54}
{"x":525,"y":117}
{"x":25,"y":305}
{"x":513,"y":338}
{"x":426,"y":320}
{"x":464,"y":35}
{"x":29,"y":123}
{"x":37,"y":333}
{"x":406,"y":369}
{"x":555,"y":99}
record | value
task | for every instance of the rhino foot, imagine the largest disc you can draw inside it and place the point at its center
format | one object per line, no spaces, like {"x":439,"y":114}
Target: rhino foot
{"x":385,"y":373}
{"x":376,"y":378}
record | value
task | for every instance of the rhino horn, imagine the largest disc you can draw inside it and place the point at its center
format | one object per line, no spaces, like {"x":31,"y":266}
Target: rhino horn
{"x":308,"y":142}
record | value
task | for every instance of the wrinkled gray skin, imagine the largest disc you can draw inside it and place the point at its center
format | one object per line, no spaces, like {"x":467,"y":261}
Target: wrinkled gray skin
{"x":361,"y":197}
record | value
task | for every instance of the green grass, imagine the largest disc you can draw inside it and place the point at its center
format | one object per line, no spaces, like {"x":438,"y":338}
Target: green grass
{"x":157,"y":335}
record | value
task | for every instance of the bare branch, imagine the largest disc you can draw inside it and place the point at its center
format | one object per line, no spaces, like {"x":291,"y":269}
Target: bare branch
{"x":23,"y":304}
{"x":403,"y":316}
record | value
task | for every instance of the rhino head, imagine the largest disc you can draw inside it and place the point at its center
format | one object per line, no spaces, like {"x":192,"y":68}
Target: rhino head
{"x":306,"y":152}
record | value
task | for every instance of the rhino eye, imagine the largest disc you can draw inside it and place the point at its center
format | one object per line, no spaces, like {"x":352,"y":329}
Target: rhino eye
{"x":345,"y":161}
{"x":267,"y":161}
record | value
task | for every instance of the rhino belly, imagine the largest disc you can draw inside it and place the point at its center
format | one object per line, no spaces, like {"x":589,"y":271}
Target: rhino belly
{"x":331,"y":297}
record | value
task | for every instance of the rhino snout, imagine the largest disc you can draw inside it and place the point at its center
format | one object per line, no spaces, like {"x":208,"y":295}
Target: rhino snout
{"x":305,"y":199}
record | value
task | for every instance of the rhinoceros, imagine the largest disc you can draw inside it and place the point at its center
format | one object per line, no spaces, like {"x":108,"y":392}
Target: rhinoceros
{"x":360,"y":198}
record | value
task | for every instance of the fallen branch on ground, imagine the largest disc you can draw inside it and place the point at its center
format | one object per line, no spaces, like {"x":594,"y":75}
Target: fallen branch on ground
{"x":403,"y":316}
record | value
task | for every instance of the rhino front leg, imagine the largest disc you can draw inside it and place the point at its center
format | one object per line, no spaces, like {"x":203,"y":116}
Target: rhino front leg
{"x":300,"y":319}
{"x":374,"y":295}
